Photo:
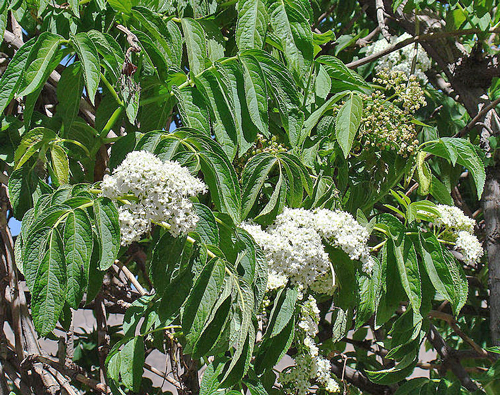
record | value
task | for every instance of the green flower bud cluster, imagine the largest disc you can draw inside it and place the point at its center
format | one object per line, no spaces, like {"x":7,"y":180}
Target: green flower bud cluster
{"x":262,"y":144}
{"x":267,"y":145}
{"x":386,"y":123}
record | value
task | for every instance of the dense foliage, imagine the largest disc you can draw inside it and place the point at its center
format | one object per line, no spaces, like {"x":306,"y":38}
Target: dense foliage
{"x":278,"y":196}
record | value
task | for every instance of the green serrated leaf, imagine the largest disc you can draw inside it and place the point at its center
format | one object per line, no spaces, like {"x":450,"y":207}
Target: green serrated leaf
{"x":108,"y":231}
{"x":192,"y":109}
{"x":166,"y":258}
{"x":294,"y":31}
{"x":194,"y":36}
{"x":284,"y":90}
{"x":31,"y":143}
{"x":206,"y":226}
{"x":124,"y":6}
{"x":439,"y":191}
{"x":216,"y":94}
{"x":283,"y":310}
{"x":22,"y":184}
{"x":49,"y":289}
{"x":111,"y":52}
{"x":12,"y":76}
{"x":271,"y":350}
{"x":256,"y":93}
{"x":69,"y":92}
{"x":394,"y":374}
{"x":60,"y":163}
{"x":347,"y":122}
{"x":232,"y":73}
{"x":201,"y":300}
{"x":460,"y":151}
{"x":78,"y":244}
{"x":409,"y":273}
{"x":345,"y":79}
{"x":42,"y":60}
{"x":132,"y":357}
{"x":165,"y":33}
{"x":222,"y":182}
{"x":252,"y":24}
{"x":89,"y":58}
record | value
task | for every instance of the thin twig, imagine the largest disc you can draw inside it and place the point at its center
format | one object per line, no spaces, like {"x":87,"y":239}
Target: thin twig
{"x":379,"y":4}
{"x":130,"y":276}
{"x":324,"y":15}
{"x":102,"y":336}
{"x":411,"y":40}
{"x":152,"y":369}
{"x":363,"y":41}
{"x":478,"y":117}
{"x":454,"y":325}
{"x":70,"y":372}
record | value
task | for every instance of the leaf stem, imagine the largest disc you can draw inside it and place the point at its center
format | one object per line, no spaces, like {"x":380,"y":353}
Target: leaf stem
{"x":111,"y":90}
{"x":78,"y":144}
{"x":189,"y":239}
{"x":111,"y":122}
{"x":306,"y":90}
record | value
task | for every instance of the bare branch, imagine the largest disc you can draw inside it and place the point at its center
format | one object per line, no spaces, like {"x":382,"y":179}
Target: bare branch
{"x":423,"y":37}
{"x":119,"y":266}
{"x":358,"y":379}
{"x":454,"y":325}
{"x":379,"y":4}
{"x":480,"y":115}
{"x":449,"y":359}
{"x":324,"y":15}
{"x":152,"y":369}
{"x":68,"y":371}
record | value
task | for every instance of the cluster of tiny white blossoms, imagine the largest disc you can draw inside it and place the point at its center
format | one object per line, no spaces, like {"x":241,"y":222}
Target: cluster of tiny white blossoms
{"x":309,"y":364}
{"x":152,"y":191}
{"x":294,"y":249}
{"x":401,"y":60}
{"x":469,"y":245}
{"x":461,"y":228}
{"x":453,"y":218}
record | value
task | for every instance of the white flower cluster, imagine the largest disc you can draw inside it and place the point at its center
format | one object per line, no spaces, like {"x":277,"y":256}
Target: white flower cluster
{"x":453,"y":218}
{"x":294,"y":249}
{"x":401,"y":59}
{"x":470,"y":247}
{"x":309,"y":365}
{"x":152,"y":190}
{"x":292,"y":252}
{"x":461,"y":227}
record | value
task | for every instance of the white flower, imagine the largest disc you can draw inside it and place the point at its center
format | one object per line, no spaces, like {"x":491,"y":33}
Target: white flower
{"x":152,"y":190}
{"x":309,"y":364}
{"x":294,"y":249}
{"x":324,"y":284}
{"x":342,"y":230}
{"x":454,"y":219}
{"x":401,"y":60}
{"x":311,"y":346}
{"x":469,"y":246}
{"x":275,"y":280}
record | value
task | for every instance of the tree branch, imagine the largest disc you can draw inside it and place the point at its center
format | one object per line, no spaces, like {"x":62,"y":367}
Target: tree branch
{"x":420,"y":38}
{"x":379,"y":4}
{"x":452,"y":322}
{"x":449,"y":359}
{"x":358,"y":379}
{"x":480,"y":115}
